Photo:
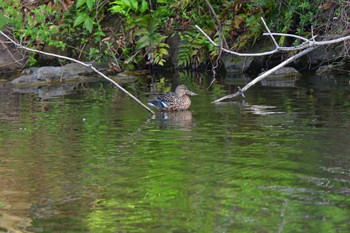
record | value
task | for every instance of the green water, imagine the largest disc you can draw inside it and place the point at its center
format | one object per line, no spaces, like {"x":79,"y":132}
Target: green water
{"x":94,"y":161}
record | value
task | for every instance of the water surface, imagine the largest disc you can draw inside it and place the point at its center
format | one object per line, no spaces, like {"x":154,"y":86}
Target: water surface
{"x":94,"y":161}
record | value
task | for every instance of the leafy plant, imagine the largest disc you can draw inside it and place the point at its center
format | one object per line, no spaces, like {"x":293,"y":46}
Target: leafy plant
{"x":144,"y":28}
{"x":85,"y":10}
{"x":123,"y":7}
{"x":192,"y":50}
{"x":10,"y":14}
{"x":151,"y":40}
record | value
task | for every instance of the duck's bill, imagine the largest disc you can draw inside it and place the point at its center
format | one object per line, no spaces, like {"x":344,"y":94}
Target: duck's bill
{"x":190,"y":93}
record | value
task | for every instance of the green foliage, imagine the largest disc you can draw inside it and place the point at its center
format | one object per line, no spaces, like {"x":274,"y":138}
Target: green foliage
{"x":151,"y":40}
{"x":39,"y":29}
{"x":123,"y":7}
{"x":145,"y":30}
{"x":141,"y":34}
{"x":84,"y":16}
{"x":36,"y":27}
{"x":192,"y":50}
{"x":10,"y":14}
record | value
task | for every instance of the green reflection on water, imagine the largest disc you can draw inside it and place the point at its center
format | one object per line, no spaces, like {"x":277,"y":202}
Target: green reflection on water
{"x":99,"y":163}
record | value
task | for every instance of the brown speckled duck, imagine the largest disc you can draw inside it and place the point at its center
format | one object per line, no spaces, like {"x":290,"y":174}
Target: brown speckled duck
{"x":173,"y":101}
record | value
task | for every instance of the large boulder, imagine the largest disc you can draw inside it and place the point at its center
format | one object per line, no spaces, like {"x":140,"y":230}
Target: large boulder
{"x":236,"y":64}
{"x":248,"y":64}
{"x":52,"y":74}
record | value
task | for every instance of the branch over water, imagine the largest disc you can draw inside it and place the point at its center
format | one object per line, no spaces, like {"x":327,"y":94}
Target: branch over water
{"x":82,"y":63}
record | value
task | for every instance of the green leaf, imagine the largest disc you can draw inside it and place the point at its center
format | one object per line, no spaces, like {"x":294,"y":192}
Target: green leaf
{"x":165,"y":45}
{"x":141,"y":32}
{"x":90,"y":3}
{"x":144,"y":6}
{"x":124,"y":3}
{"x":118,"y":10}
{"x":163,"y":51}
{"x":79,"y":20}
{"x":143,"y":42}
{"x":134,"y":5}
{"x":80,"y":3}
{"x":88,"y":24}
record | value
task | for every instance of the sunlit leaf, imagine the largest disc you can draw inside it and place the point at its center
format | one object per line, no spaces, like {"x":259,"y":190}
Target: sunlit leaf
{"x":163,"y":51}
{"x":79,"y":20}
{"x":90,"y":3}
{"x":134,"y":5}
{"x":88,"y":24}
{"x":164,"y":45}
{"x":125,"y":3}
{"x":118,"y":10}
{"x":80,"y":3}
{"x":144,"y":6}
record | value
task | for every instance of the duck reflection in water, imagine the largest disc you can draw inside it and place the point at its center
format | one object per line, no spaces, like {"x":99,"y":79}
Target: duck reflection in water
{"x":181,"y":120}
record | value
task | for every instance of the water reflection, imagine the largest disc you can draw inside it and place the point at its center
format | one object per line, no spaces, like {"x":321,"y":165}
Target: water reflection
{"x":175,"y":119}
{"x":94,"y":161}
{"x":290,"y":82}
{"x":49,"y":91}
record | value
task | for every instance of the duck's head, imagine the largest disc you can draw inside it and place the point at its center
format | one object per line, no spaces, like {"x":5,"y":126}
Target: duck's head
{"x":182,"y":90}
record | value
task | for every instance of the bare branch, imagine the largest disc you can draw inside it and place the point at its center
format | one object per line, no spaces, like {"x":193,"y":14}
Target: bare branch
{"x":285,"y":34}
{"x":307,"y":46}
{"x":265,"y":74}
{"x":225,"y":45}
{"x":82,"y":63}
{"x":205,"y":34}
{"x":269,"y":33}
{"x":250,"y":54}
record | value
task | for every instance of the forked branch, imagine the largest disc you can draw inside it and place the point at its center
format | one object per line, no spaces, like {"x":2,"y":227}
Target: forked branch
{"x":307,"y":46}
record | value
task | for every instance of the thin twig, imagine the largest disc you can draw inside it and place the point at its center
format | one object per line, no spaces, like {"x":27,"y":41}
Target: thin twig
{"x":205,"y":34}
{"x":269,"y":33}
{"x":218,"y":23}
{"x":11,"y":54}
{"x":81,"y":63}
{"x":286,"y":34}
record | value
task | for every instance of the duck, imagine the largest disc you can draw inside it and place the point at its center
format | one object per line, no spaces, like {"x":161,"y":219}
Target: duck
{"x":173,"y":101}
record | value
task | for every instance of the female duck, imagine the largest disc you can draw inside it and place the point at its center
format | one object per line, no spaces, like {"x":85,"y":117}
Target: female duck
{"x":173,"y":101}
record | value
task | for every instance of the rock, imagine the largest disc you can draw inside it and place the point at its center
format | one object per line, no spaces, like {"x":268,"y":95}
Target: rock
{"x":52,"y":74}
{"x":326,"y":69}
{"x":11,"y":58}
{"x":250,"y":64}
{"x":284,"y":77}
{"x":325,"y":54}
{"x":235,"y":63}
{"x":283,"y":73}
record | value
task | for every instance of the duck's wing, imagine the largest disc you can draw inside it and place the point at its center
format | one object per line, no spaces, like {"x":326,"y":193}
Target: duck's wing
{"x":163,"y":100}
